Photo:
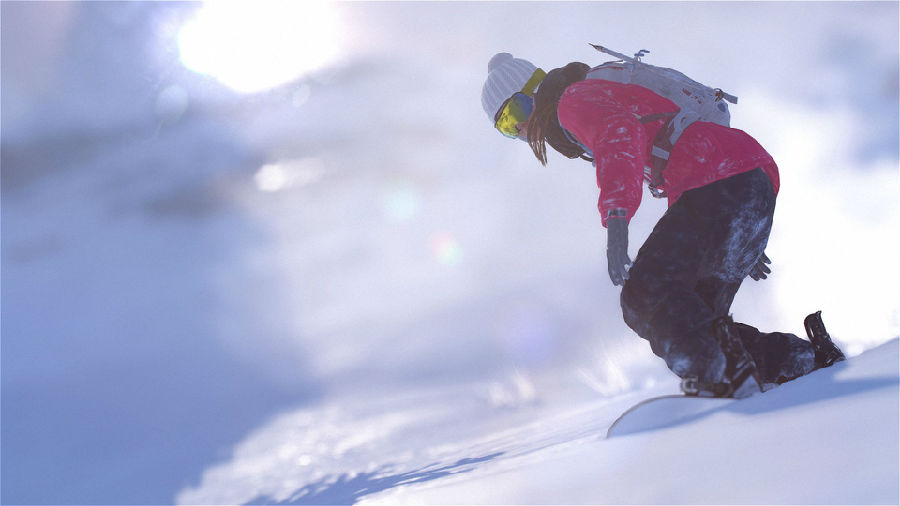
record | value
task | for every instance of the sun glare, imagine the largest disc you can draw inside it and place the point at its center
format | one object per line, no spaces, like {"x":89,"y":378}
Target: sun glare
{"x":254,"y":46}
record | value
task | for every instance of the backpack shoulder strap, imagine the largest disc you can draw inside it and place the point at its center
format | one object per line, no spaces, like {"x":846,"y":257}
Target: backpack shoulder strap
{"x":659,"y":153}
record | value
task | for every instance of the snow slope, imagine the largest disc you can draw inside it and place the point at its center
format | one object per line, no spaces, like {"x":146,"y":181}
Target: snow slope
{"x":828,"y":438}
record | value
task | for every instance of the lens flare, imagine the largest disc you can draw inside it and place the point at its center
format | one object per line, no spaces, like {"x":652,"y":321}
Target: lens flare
{"x":446,"y":249}
{"x":287,"y":174}
{"x":401,"y":202}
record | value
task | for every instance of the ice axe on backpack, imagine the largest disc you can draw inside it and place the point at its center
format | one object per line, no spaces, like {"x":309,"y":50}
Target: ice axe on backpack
{"x":636,"y":59}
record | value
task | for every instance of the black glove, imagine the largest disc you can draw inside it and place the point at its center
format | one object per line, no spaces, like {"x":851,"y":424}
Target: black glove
{"x":760,"y":270}
{"x":617,"y":249}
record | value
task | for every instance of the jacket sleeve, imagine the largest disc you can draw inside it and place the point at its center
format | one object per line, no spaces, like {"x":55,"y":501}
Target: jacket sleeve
{"x":591,"y":112}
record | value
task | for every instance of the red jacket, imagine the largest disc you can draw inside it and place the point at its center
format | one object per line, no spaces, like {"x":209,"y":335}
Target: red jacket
{"x":604,"y":116}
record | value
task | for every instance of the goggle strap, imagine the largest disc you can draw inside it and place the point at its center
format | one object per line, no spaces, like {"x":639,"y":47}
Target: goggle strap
{"x":533,"y":81}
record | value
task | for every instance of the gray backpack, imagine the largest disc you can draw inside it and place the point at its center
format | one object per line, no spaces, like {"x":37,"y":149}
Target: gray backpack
{"x":696,"y":102}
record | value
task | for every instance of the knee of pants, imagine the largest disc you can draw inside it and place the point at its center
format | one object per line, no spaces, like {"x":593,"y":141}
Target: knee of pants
{"x":701,"y":357}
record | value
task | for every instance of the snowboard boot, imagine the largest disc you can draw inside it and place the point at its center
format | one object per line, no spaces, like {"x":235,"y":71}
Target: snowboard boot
{"x":826,"y":352}
{"x":741,"y":376}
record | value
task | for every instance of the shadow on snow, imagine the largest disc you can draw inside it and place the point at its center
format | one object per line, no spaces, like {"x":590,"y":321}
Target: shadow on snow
{"x":349,"y":488}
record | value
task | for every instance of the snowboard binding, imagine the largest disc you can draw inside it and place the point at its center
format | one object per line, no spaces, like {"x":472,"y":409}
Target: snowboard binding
{"x":741,"y":376}
{"x":691,"y":386}
{"x":826,"y":352}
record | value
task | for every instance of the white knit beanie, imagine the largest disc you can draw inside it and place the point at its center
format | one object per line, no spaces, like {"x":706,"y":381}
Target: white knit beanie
{"x":506,"y":76}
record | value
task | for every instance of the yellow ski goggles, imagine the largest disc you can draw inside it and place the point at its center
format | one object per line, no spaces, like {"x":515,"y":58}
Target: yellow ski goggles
{"x":518,"y":107}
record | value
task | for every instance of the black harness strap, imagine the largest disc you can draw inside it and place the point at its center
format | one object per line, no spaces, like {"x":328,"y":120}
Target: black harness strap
{"x":659,"y":154}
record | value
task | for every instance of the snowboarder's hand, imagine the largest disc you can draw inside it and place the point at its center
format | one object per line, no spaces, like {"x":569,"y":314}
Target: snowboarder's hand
{"x":617,"y":249}
{"x":760,"y":270}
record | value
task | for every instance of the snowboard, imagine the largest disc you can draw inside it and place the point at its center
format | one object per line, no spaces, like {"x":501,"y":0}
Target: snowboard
{"x":664,"y":411}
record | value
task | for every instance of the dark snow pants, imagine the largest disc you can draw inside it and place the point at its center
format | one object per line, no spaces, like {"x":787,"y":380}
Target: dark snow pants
{"x":688,"y":271}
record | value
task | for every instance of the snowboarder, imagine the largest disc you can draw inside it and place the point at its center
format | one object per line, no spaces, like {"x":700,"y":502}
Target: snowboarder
{"x":721,"y":187}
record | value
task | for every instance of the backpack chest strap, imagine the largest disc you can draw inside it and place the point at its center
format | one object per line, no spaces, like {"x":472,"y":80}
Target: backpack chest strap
{"x":660,"y":151}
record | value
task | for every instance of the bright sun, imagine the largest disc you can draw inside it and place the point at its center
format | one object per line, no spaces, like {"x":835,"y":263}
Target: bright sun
{"x":254,"y":46}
